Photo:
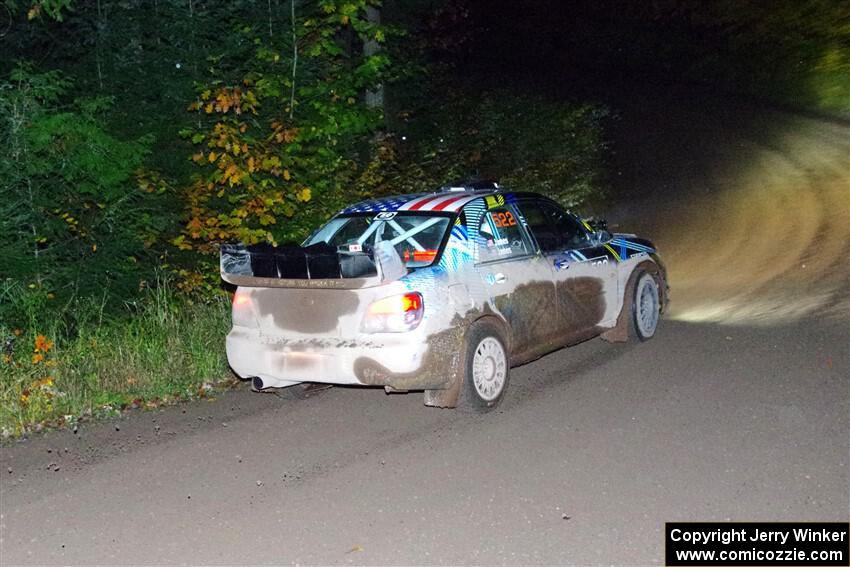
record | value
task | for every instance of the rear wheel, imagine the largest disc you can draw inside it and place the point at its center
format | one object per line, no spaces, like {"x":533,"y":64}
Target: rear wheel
{"x":646,"y":307}
{"x":487,"y":368}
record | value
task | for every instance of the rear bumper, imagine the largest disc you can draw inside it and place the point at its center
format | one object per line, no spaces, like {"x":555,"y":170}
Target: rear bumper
{"x":280,"y":361}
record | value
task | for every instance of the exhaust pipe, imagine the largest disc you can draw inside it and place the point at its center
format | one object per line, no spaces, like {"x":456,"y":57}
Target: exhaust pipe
{"x":259,"y":384}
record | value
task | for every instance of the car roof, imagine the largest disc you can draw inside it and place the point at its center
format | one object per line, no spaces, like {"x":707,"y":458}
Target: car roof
{"x":446,"y":201}
{"x":449,"y":199}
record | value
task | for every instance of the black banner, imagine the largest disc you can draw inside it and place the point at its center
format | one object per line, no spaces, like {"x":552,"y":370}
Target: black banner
{"x":692,"y":544}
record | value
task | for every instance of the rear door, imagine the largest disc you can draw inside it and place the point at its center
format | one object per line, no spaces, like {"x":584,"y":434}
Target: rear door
{"x":585,"y":275}
{"x":518,"y":280}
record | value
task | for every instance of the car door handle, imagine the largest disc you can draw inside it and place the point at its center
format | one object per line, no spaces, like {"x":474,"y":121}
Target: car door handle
{"x":499,"y":278}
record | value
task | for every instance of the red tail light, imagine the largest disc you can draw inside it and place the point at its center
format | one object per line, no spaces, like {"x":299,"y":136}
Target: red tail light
{"x":424,"y":255}
{"x":419,"y":255}
{"x":394,"y":314}
{"x":243,"y":310}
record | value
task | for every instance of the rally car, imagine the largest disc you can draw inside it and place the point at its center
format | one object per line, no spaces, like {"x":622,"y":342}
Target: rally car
{"x":439,"y":292}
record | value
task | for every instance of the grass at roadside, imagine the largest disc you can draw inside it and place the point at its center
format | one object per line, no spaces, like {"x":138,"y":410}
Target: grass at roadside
{"x":166,"y":350}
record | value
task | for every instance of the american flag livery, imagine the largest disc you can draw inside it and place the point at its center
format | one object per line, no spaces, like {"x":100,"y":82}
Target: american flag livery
{"x":446,"y":202}
{"x":382,"y":205}
{"x":450,"y":202}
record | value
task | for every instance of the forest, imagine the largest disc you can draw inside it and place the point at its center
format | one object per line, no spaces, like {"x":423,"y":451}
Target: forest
{"x":140,"y":135}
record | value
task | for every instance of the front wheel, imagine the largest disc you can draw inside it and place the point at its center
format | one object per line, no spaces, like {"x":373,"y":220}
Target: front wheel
{"x":487,"y":368}
{"x":646,"y":307}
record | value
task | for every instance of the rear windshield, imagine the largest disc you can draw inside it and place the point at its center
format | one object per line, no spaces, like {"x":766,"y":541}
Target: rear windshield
{"x":416,"y":237}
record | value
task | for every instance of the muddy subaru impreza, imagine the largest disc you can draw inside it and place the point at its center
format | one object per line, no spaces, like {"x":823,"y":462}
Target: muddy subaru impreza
{"x":440,"y":292}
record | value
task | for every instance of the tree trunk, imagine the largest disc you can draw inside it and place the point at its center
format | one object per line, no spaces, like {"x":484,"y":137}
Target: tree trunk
{"x":375,"y":98}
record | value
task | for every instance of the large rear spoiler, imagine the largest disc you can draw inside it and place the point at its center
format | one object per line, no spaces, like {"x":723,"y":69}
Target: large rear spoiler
{"x":316,"y":266}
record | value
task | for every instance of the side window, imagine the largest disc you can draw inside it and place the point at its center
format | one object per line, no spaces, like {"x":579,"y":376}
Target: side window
{"x":554,"y":229}
{"x":540,"y":226}
{"x":572,"y":234}
{"x":500,"y":236}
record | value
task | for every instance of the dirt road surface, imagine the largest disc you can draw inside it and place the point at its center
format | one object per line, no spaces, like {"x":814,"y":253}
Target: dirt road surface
{"x":738,"y":410}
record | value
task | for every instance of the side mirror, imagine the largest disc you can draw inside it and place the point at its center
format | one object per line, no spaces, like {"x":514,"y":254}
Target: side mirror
{"x":598,"y":225}
{"x":600,"y":230}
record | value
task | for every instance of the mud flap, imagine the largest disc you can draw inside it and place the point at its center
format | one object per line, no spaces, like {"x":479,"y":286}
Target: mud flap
{"x":445,"y":398}
{"x":449,"y":396}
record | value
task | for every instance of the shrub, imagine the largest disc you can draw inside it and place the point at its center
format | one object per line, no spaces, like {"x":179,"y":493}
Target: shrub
{"x":73,"y":222}
{"x":165,"y":349}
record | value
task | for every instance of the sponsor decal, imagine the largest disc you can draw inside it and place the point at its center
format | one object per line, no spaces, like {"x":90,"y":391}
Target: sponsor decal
{"x":495,"y":201}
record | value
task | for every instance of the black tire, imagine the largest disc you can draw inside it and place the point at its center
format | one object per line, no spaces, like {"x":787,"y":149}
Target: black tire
{"x":645,"y":308}
{"x":487,"y":359}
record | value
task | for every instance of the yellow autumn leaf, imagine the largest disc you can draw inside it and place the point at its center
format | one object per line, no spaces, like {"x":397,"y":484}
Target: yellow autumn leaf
{"x":181,"y":243}
{"x":305,"y":194}
{"x":212,"y":157}
{"x":286,"y":174}
{"x":209,"y":108}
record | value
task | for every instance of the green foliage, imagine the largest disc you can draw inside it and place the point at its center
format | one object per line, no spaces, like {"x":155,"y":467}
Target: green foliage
{"x":72,"y":219}
{"x":526,"y":142}
{"x":164,"y":351}
{"x":791,"y":51}
{"x":277,"y":143}
{"x":53,"y":9}
{"x":534,"y":144}
{"x":797,"y":52}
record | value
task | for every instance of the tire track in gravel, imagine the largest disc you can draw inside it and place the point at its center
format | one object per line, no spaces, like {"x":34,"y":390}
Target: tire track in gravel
{"x":757,"y":227}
